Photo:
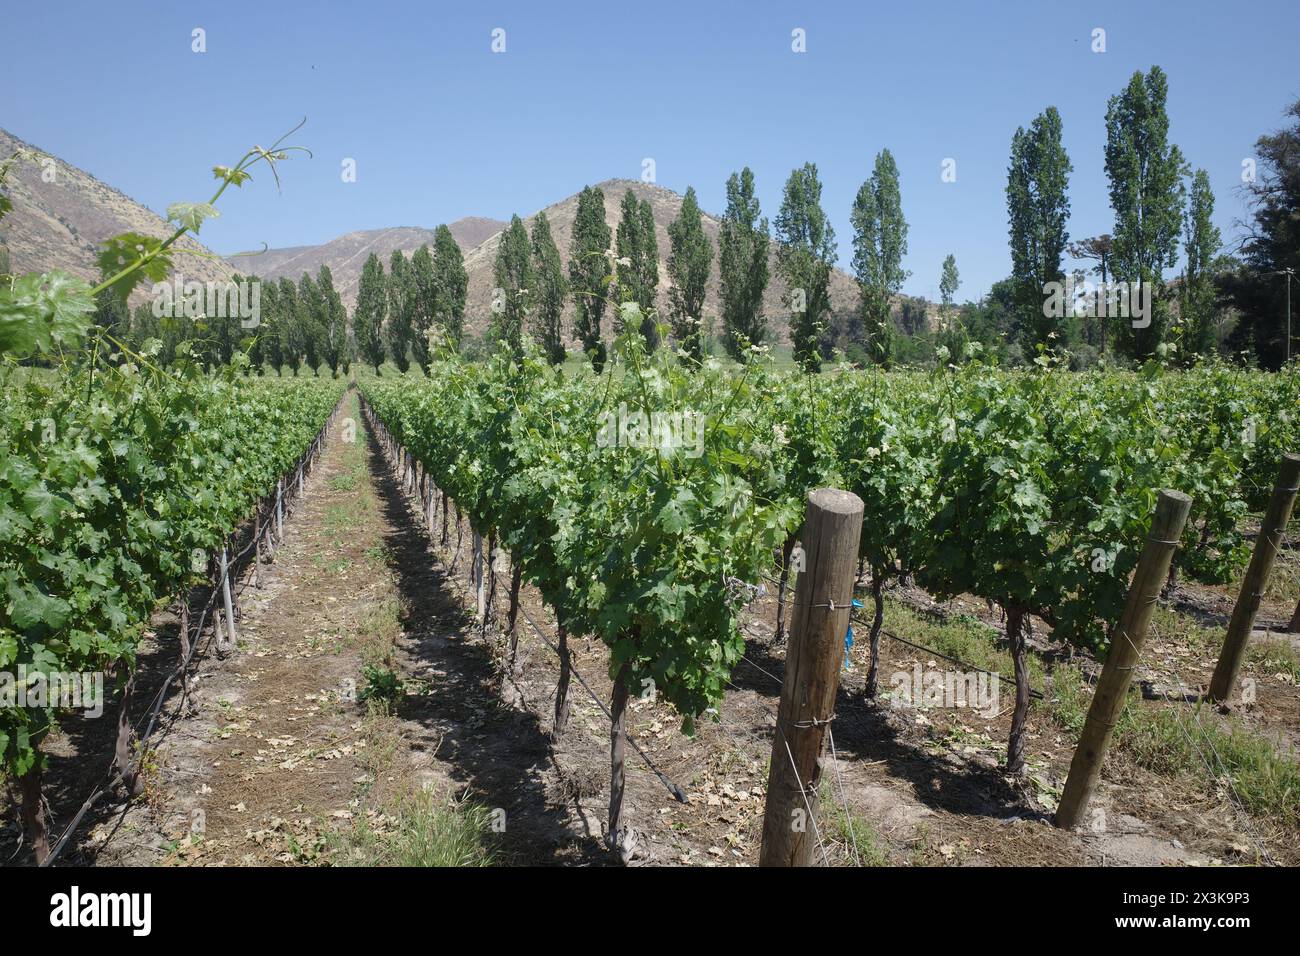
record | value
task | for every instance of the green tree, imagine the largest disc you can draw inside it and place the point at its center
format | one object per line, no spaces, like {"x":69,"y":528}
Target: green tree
{"x":742,"y":266}
{"x":334,"y":321}
{"x":292,"y":330}
{"x":512,"y":298}
{"x":368,"y":315}
{"x":270,"y":328}
{"x":111,"y":312}
{"x":688,"y":270}
{"x":551,"y":291}
{"x":949,"y":281}
{"x":401,"y":310}
{"x":879,"y":244}
{"x":451,"y":287}
{"x":805,"y":255}
{"x":1146,"y":192}
{"x":1201,"y":242}
{"x":424,"y":289}
{"x":313,"y":311}
{"x":1037,"y":211}
{"x":589,"y":272}
{"x":638,"y":262}
{"x":1260,"y":289}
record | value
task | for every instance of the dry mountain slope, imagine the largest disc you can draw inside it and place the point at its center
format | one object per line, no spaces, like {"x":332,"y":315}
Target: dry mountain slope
{"x":60,"y":224}
{"x":348,"y":253}
{"x":665,"y":204}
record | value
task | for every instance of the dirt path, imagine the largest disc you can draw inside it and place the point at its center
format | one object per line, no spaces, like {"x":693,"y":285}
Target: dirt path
{"x":282,"y":762}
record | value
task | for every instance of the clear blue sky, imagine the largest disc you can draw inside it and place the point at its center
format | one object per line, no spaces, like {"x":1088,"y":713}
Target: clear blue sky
{"x":441,"y":127}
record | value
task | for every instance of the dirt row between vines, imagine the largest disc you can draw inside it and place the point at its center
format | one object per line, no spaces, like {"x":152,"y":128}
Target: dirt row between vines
{"x":278,"y":762}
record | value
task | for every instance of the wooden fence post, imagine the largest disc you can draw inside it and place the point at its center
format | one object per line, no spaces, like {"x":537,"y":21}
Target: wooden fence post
{"x":231,"y":633}
{"x":1252,"y":588}
{"x":819,"y":621}
{"x":279,"y":509}
{"x":1125,"y":646}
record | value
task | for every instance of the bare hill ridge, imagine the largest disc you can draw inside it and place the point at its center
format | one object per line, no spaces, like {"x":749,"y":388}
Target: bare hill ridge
{"x":348,"y":253}
{"x":60,"y":224}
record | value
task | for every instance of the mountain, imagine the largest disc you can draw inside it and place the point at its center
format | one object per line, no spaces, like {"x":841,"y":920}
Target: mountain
{"x":665,"y":205}
{"x":59,"y":224}
{"x":348,"y":253}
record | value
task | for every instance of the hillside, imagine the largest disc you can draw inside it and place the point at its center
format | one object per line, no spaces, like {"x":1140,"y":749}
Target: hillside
{"x":348,"y":253}
{"x":60,"y":224}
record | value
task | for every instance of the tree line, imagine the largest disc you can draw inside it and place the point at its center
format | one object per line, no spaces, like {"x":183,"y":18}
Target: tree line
{"x":403,"y":316}
{"x":1218,"y":304}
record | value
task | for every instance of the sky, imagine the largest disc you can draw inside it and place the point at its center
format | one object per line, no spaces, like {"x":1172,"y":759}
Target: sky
{"x":440,"y":126}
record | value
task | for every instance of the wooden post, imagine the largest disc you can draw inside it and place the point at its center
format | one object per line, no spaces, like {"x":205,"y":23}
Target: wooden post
{"x":512,"y":620}
{"x":123,"y":759}
{"x":232,"y":635}
{"x":490,"y":588}
{"x":183,"y":627}
{"x":819,"y":621}
{"x":257,"y":545}
{"x":1294,"y":627}
{"x":1252,"y":588}
{"x":617,"y":837}
{"x":32,"y":811}
{"x":562,"y":686}
{"x":279,"y":508}
{"x":1125,"y":646}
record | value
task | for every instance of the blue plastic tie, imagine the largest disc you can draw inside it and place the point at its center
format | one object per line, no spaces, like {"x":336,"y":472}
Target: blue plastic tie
{"x":848,"y":637}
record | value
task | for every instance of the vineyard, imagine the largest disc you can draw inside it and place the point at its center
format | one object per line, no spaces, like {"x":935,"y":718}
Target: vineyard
{"x":659,"y":512}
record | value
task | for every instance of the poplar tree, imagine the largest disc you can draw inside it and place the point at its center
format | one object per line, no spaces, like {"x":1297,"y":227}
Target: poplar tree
{"x":451,"y":287}
{"x":949,"y":281}
{"x":879,"y":244}
{"x":424,"y":305}
{"x":270,"y":331}
{"x":401,"y":310}
{"x":742,"y":266}
{"x":334,"y":322}
{"x":638,"y":262}
{"x":1037,"y":211}
{"x":551,"y":291}
{"x":1146,"y":192}
{"x":590,"y":273}
{"x":805,"y":255}
{"x":292,"y":342}
{"x":311,"y":311}
{"x":368,"y":316}
{"x":1201,"y":242}
{"x":688,"y":271}
{"x":512,"y":298}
